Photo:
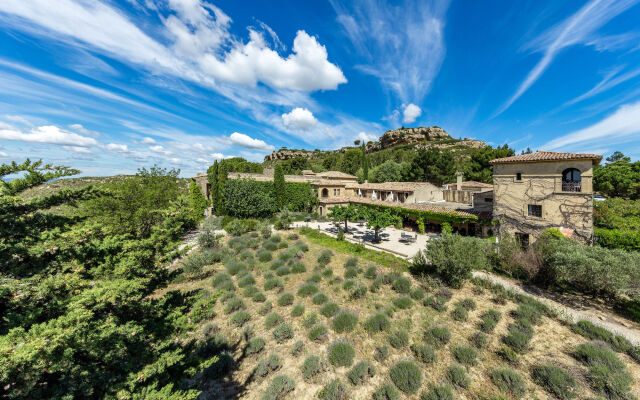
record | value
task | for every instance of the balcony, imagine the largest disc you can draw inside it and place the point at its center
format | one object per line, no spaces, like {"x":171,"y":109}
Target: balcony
{"x":571,"y":186}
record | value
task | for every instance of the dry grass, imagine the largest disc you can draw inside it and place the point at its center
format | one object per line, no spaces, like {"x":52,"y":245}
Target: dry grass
{"x":552,"y":343}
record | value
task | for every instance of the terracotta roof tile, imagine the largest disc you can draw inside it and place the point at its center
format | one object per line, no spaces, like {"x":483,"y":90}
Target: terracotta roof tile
{"x":405,"y":186}
{"x":335,"y":174}
{"x":547,"y":156}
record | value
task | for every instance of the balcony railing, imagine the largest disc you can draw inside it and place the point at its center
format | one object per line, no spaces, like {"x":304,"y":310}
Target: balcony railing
{"x":571,"y":186}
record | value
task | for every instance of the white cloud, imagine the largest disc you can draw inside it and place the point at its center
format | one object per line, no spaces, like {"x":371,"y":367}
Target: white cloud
{"x":3,"y":154}
{"x":160,"y":149}
{"x":77,"y":149}
{"x":18,"y":119}
{"x":48,"y":134}
{"x":120,"y":148}
{"x":201,"y":50}
{"x":217,"y":156}
{"x":148,"y":140}
{"x":248,"y":142}
{"x":578,"y":28}
{"x":81,"y":129}
{"x":612,"y":79}
{"x":621,"y":126}
{"x":299,"y":118}
{"x":365,"y":138}
{"x":401,"y":42}
{"x":410,"y":113}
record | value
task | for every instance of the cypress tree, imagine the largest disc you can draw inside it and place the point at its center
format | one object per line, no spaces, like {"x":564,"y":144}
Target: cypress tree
{"x":222,"y":178}
{"x":278,"y":185}
{"x":212,"y":177}
{"x":365,"y":163}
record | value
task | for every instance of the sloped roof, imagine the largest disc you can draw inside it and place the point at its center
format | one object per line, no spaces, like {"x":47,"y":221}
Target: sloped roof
{"x":335,"y":174}
{"x":466,"y":184}
{"x":547,"y":156}
{"x":404,"y":186}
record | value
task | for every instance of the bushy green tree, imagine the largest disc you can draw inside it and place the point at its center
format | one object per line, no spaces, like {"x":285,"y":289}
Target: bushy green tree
{"x":278,"y":186}
{"x":351,"y":160}
{"x":246,"y":198}
{"x":454,"y":257}
{"x":432,"y":165}
{"x":618,"y":178}
{"x":344,"y":214}
{"x":377,"y":219}
{"x":479,"y":168}
{"x":365,"y":163}
{"x":198,"y":201}
{"x":239,"y":164}
{"x":295,"y":165}
{"x":223,"y":172}
{"x":389,"y":171}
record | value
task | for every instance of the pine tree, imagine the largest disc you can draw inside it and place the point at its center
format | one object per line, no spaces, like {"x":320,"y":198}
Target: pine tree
{"x":279,"y":186}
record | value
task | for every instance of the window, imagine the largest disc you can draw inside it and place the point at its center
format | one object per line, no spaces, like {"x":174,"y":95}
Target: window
{"x":519,"y":176}
{"x":535,"y":210}
{"x":488,"y":199}
{"x":523,"y":239}
{"x":571,"y":180}
{"x":336,"y":192}
{"x":325,"y":192}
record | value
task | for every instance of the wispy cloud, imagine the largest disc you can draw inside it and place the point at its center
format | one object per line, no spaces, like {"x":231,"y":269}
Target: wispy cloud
{"x":579,"y":28}
{"x":620,"y":127}
{"x":610,"y":80}
{"x":403,"y":42}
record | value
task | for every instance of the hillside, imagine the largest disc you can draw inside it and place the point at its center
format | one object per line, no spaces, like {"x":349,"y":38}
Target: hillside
{"x":300,"y":321}
{"x":407,"y":138}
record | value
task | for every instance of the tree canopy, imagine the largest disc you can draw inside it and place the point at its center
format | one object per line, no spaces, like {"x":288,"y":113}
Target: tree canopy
{"x":479,"y":168}
{"x":619,"y":177}
{"x":432,"y":165}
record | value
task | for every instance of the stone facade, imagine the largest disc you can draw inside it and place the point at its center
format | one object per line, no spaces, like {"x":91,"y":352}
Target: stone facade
{"x":531,"y":196}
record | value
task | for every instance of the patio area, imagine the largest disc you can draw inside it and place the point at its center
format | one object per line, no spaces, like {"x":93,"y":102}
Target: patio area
{"x":396,"y":241}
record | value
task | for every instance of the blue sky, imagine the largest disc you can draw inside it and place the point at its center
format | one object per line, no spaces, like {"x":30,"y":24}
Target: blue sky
{"x":110,"y":86}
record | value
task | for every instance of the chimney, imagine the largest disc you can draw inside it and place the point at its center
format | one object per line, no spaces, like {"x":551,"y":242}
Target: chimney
{"x":459,"y":181}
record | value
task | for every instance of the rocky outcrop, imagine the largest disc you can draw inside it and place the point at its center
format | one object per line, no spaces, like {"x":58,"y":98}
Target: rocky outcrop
{"x":285,"y":154}
{"x":408,"y":135}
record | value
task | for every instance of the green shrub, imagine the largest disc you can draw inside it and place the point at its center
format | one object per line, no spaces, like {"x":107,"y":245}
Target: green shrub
{"x":423,"y":353}
{"x":297,"y":348}
{"x":298,"y":268}
{"x":203,"y":309}
{"x":341,"y":353}
{"x":325,"y":257}
{"x":402,"y":285}
{"x":272,"y":319}
{"x":375,"y":286}
{"x":371,"y":272}
{"x":344,"y":321}
{"x":442,"y":392}
{"x":334,"y":390}
{"x":478,"y":340}
{"x":348,"y":284}
{"x":594,"y":332}
{"x":312,"y":367}
{"x":555,"y":380}
{"x":329,"y":309}
{"x":403,"y":302}
{"x":320,"y":298}
{"x":459,"y":314}
{"x":519,"y":336}
{"x":220,"y":278}
{"x":418,"y":294}
{"x":381,"y":353}
{"x":378,"y":322}
{"x":508,"y":381}
{"x":406,"y":376}
{"x":351,"y":262}
{"x":285,"y":299}
{"x":259,"y":297}
{"x":255,"y":345}
{"x":279,"y":387}
{"x":265,"y":308}
{"x":275,"y":264}
{"x":386,"y":392}
{"x":457,"y":375}
{"x":357,"y":291}
{"x":465,"y":354}
{"x":234,"y":305}
{"x":315,"y":277}
{"x":282,"y":333}
{"x":528,"y":312}
{"x":250,"y":291}
{"x":350,"y":273}
{"x":267,"y":365}
{"x":239,"y":318}
{"x":327,"y":273}
{"x":489,"y":321}
{"x":246,"y":281}
{"x":226,"y":296}
{"x":297,"y":310}
{"x":318,"y":333}
{"x":282,"y":271}
{"x":236,"y":268}
{"x":310,"y":319}
{"x":273,"y":283}
{"x":236,"y":228}
{"x":398,"y":339}
{"x":468,"y":304}
{"x":437,"y":303}
{"x":454,"y":257}
{"x":508,"y":355}
{"x":437,"y":336}
{"x":308,"y":289}
{"x":361,"y":372}
{"x":270,"y":245}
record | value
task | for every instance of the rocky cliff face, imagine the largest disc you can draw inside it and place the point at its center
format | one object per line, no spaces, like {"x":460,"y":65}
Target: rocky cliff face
{"x":423,"y":137}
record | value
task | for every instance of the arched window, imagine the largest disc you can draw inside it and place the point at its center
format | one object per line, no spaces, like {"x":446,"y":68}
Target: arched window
{"x":325,"y":192}
{"x":571,"y":180}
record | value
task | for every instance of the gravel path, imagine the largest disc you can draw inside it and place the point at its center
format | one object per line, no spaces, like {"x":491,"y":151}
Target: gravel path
{"x":609,"y":321}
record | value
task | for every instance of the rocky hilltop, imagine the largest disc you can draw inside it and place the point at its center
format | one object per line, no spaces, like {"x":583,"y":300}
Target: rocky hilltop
{"x":422,"y":137}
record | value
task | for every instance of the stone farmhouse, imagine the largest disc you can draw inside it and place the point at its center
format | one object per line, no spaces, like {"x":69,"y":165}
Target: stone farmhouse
{"x":530,"y":193}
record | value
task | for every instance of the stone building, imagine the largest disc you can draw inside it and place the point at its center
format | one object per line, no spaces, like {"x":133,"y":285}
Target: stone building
{"x":534,"y":192}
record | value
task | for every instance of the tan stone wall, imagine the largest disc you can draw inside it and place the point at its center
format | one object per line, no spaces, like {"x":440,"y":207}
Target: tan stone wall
{"x":425,"y":193}
{"x":483,"y":201}
{"x":541,"y":184}
{"x":331,"y":192}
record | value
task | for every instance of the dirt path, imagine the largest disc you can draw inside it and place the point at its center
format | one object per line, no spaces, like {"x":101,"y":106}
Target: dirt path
{"x":597,"y":315}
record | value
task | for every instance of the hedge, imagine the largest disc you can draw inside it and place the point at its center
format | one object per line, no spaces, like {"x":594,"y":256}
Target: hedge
{"x":618,"y":238}
{"x":247,"y":198}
